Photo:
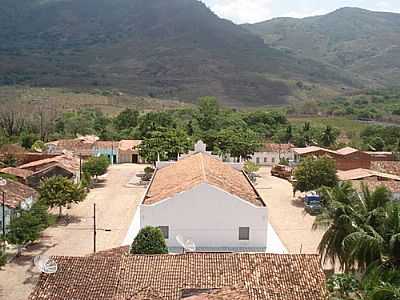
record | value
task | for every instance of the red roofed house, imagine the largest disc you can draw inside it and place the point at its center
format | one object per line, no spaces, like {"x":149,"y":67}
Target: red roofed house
{"x":16,"y":195}
{"x":190,"y":276}
{"x":346,"y":159}
{"x":209,"y":201}
{"x":271,"y":154}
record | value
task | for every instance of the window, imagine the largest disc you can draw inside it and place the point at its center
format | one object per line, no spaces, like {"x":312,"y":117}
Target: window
{"x":257,"y":160}
{"x":244,"y":233}
{"x":273,"y":160}
{"x":165,"y":231}
{"x":265,"y":159}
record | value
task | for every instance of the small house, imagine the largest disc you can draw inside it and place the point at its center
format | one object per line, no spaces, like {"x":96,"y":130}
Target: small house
{"x":271,"y":154}
{"x":16,"y":195}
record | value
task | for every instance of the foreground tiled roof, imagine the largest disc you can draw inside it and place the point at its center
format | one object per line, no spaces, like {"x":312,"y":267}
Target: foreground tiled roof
{"x":311,"y":149}
{"x":16,"y":192}
{"x":226,"y":293}
{"x":199,"y":168}
{"x":169,"y":277}
{"x":392,"y":167}
{"x":17,"y":172}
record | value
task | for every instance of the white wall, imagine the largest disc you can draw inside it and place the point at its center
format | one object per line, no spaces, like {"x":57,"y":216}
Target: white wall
{"x":272,"y":158}
{"x":209,"y":216}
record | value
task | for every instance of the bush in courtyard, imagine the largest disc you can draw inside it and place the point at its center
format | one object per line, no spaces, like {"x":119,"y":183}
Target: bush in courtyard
{"x":96,"y":166}
{"x":149,"y":240}
{"x":27,"y":225}
{"x":3,"y":258}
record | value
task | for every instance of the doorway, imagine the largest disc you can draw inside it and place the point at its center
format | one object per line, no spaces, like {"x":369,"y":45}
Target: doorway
{"x":135,"y":158}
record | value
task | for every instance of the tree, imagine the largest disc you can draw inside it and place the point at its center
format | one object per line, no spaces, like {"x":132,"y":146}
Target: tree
{"x":59,"y":191}
{"x":362,"y":229}
{"x":207,"y":114}
{"x":126,"y":119}
{"x":312,"y":174}
{"x":149,"y":240}
{"x":329,"y":136}
{"x":28,"y":139}
{"x":96,"y":166}
{"x":27,"y":225}
{"x":38,"y":146}
{"x":238,"y":142}
{"x":166,"y":145}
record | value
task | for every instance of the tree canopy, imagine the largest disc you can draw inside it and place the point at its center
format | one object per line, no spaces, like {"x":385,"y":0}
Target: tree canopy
{"x":59,"y":191}
{"x":96,"y":166}
{"x":312,"y":174}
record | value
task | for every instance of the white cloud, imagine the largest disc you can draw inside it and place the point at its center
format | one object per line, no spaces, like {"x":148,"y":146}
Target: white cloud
{"x":242,"y":11}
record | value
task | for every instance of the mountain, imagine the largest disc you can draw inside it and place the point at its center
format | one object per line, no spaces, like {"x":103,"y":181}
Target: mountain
{"x":362,"y":42}
{"x":175,"y":49}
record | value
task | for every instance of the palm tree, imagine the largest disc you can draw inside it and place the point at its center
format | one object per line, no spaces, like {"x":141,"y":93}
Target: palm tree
{"x":362,"y":228}
{"x":328,"y":136}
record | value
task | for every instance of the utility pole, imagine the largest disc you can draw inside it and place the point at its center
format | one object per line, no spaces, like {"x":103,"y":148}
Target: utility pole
{"x":80,"y":167}
{"x":4,"y":214}
{"x":94,"y":228}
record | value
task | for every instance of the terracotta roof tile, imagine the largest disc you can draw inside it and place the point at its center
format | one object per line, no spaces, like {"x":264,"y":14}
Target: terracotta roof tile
{"x":347,"y":151}
{"x":128,"y":145}
{"x":226,"y":293}
{"x":16,"y":192}
{"x":392,"y":167}
{"x":68,"y":162}
{"x":199,"y":168}
{"x":391,"y":185}
{"x":355,"y":174}
{"x":21,"y":173}
{"x":169,"y":277}
{"x":268,"y":147}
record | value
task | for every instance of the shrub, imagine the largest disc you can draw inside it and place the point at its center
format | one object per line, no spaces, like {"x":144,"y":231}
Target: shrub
{"x":149,"y":240}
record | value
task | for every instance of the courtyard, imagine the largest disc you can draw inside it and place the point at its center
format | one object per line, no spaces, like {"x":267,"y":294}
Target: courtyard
{"x":116,"y":196}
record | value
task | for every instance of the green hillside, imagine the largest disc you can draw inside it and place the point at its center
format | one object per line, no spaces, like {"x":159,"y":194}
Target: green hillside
{"x":362,"y":42}
{"x":176,"y":49}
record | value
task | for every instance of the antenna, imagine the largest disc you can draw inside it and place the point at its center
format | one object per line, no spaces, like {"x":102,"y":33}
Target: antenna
{"x":187,"y":244}
{"x":45,"y":264}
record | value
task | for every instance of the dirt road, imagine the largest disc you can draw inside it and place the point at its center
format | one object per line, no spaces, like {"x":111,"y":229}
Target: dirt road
{"x":116,"y":202}
{"x":287,"y":215}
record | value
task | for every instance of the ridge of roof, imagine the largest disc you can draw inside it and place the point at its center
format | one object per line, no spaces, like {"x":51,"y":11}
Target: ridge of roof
{"x":198,"y":168}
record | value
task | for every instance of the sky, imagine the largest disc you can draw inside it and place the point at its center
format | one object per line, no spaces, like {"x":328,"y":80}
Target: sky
{"x":252,"y":11}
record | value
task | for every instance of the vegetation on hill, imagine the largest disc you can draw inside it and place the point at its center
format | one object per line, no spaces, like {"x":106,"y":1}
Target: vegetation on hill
{"x":361,"y":42}
{"x":165,"y":49}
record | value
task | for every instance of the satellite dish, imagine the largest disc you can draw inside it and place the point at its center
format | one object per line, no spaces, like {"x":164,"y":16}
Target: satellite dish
{"x":187,"y":244}
{"x":45,"y":264}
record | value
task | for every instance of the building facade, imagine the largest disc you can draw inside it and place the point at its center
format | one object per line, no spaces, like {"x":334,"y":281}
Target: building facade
{"x":207,"y":201}
{"x":272,"y":154}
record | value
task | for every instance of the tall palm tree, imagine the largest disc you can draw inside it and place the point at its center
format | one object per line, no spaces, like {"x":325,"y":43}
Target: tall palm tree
{"x":357,"y":226}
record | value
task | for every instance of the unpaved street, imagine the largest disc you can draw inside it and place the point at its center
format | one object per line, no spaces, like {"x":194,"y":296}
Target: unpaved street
{"x":116,"y":202}
{"x":287,"y":215}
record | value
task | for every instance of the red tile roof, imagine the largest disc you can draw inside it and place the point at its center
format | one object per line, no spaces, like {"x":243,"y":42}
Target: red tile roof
{"x":76,"y":146}
{"x":261,"y":276}
{"x":67,"y":161}
{"x":226,"y":293}
{"x":21,"y":173}
{"x":391,"y":185}
{"x":196,"y":169}
{"x":128,"y":145}
{"x":359,"y":173}
{"x":392,"y":167}
{"x":16,"y":193}
{"x":268,"y":147}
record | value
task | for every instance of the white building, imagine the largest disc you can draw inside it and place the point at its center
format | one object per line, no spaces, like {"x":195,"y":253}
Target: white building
{"x":203,"y":199}
{"x":271,"y":154}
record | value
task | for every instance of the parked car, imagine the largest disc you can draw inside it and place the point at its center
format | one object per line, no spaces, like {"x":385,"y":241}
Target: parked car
{"x":313,"y":203}
{"x":282,"y":171}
